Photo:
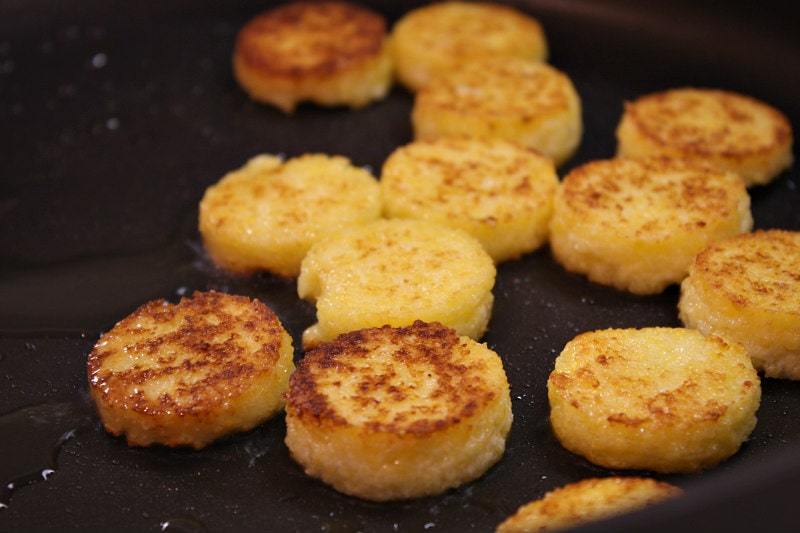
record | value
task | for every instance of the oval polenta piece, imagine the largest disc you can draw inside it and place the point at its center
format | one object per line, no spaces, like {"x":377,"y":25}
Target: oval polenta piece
{"x":747,"y":287}
{"x":397,"y":413}
{"x":663,"y":399}
{"x":329,"y":53}
{"x":530,"y":103}
{"x":267,"y":214}
{"x":585,"y":501}
{"x":394,"y":272}
{"x":497,"y":191}
{"x":187,"y":374}
{"x":435,"y":39}
{"x":636,"y":225}
{"x":727,"y":130}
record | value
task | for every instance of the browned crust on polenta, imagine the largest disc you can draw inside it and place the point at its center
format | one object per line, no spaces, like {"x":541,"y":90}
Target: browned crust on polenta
{"x":658,"y":409}
{"x":669,"y":400}
{"x":303,"y":39}
{"x":522,"y":90}
{"x":766,"y":248}
{"x":596,"y":186}
{"x":431,"y":345}
{"x":585,"y":501}
{"x":203,"y":335}
{"x":658,"y":123}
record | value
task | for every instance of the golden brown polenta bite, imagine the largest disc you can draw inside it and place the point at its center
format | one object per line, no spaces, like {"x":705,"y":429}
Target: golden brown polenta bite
{"x":725,"y":129}
{"x":664,"y":399}
{"x":187,"y":374}
{"x":585,"y":501}
{"x":530,"y":103}
{"x":265,"y":215}
{"x":441,"y":37}
{"x":397,"y":413}
{"x":499,"y":192}
{"x":747,"y":287}
{"x":636,"y":225}
{"x":329,"y":53}
{"x":395,"y":272}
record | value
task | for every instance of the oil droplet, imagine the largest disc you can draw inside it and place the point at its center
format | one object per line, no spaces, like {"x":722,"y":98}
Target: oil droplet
{"x":30,"y":439}
{"x":182,"y":525}
{"x":99,"y":60}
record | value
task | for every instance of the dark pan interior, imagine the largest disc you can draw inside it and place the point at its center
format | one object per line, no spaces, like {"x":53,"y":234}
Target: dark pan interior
{"x":114,"y":118}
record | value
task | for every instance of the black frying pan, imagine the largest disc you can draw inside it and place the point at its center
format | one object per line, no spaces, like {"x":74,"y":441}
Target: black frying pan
{"x":114,"y":118}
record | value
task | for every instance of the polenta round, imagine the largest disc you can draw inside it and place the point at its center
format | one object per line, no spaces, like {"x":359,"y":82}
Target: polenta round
{"x":329,"y":53}
{"x":586,"y":501}
{"x":441,"y":37}
{"x":267,"y":214}
{"x":530,"y":103}
{"x":636,"y":225}
{"x":725,"y":129}
{"x":669,"y":400}
{"x":189,"y":373}
{"x":497,"y":191}
{"x":394,"y":272}
{"x":747,"y":287}
{"x":397,"y":413}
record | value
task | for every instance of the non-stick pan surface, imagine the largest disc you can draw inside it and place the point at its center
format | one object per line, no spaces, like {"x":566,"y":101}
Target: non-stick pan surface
{"x":114,"y":118}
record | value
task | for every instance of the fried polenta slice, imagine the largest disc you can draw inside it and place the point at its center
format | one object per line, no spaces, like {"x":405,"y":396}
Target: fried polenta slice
{"x":530,"y":103}
{"x":435,"y":39}
{"x":497,"y":191}
{"x":636,"y":225}
{"x":393,"y":272}
{"x":190,"y":373}
{"x":398,"y":413}
{"x":587,"y":500}
{"x":267,"y":214}
{"x":669,"y":400}
{"x":329,"y":53}
{"x":747,"y":287}
{"x":728,"y":130}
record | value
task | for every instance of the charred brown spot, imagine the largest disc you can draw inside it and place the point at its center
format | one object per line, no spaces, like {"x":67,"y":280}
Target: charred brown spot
{"x":626,"y":420}
{"x":559,"y":380}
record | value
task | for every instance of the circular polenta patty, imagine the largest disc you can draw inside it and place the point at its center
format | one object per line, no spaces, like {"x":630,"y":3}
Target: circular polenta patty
{"x":396,"y":413}
{"x":189,"y":373}
{"x":663,"y":399}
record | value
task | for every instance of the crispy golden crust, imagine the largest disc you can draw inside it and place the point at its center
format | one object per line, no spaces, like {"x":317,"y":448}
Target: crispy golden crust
{"x":332,"y":53}
{"x":522,"y":101}
{"x":637,"y":224}
{"x":663,"y":399}
{"x":585,"y":501}
{"x":395,"y":272}
{"x":747,"y":288}
{"x":435,"y":39}
{"x":189,"y":373}
{"x":497,"y":191}
{"x":728,"y":130}
{"x":266,"y":215}
{"x":395,"y":413}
